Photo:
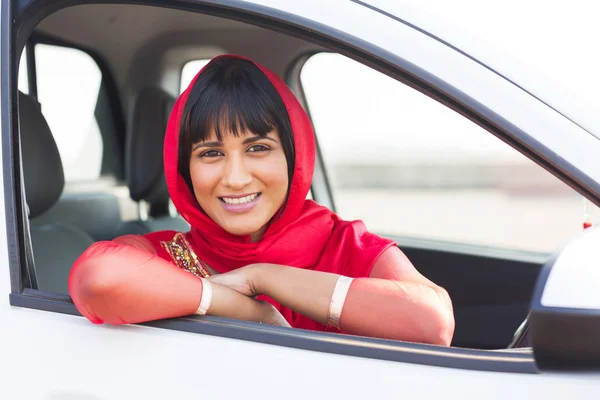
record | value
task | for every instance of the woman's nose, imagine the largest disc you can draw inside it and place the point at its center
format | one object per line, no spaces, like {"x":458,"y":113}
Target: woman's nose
{"x":236,"y":174}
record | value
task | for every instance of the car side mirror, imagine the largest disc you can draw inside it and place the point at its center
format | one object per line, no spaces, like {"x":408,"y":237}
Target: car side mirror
{"x":565,"y":311}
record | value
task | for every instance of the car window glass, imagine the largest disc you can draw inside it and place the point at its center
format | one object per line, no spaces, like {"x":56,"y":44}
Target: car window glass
{"x":189,"y":71}
{"x":68,"y":82}
{"x":410,"y":166}
{"x":23,"y":83}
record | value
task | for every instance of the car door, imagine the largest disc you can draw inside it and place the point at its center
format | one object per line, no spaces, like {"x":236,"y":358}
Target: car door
{"x":49,"y":351}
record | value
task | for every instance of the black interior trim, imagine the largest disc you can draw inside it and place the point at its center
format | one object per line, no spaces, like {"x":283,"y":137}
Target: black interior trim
{"x":523,"y":256}
{"x":479,"y":360}
{"x":563,"y":338}
{"x":491,"y":289}
{"x":10,"y":151}
{"x":31,"y":12}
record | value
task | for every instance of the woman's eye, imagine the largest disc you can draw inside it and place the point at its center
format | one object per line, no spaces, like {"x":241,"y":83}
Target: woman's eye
{"x":258,"y":148}
{"x":210,"y":153}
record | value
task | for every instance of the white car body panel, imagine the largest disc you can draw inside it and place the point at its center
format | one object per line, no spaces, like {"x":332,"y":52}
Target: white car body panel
{"x":66,"y":357}
{"x":46,"y":355}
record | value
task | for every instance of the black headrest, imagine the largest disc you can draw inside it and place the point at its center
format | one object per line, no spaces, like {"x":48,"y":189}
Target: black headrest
{"x":43,"y":170}
{"x":144,"y":151}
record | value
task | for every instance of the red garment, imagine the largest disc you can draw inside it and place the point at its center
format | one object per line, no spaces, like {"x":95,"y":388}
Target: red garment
{"x":305,"y":235}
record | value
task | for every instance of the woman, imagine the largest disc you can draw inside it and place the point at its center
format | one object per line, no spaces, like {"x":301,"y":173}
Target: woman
{"x":239,"y":158}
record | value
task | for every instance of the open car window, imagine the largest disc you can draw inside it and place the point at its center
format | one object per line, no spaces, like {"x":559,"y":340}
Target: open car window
{"x":410,"y":166}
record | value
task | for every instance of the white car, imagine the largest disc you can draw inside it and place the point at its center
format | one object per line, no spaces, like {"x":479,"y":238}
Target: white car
{"x":408,"y":110}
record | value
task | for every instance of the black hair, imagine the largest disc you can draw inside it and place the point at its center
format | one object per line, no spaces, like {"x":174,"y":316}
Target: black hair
{"x":233,"y":95}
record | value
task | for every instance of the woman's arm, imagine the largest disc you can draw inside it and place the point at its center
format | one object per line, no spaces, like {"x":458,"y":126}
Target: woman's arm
{"x":402,"y":304}
{"x":395,"y":302}
{"x":124,"y":281}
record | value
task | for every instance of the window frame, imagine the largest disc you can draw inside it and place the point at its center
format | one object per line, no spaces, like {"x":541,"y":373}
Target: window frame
{"x":367,"y":54}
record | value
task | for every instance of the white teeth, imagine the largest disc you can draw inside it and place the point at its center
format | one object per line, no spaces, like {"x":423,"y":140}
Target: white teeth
{"x":239,"y":200}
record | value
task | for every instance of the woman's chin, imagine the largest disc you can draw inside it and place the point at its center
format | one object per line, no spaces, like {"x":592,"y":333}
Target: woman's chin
{"x":245,"y":230}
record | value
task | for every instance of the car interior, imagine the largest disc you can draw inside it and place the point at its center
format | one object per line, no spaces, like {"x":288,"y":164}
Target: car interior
{"x":140,"y":52}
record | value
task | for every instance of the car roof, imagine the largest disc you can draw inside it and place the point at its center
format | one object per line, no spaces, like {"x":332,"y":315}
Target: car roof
{"x":124,"y":33}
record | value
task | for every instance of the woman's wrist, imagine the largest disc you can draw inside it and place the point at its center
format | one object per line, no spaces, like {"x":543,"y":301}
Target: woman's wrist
{"x":259,"y":277}
{"x":205,"y":297}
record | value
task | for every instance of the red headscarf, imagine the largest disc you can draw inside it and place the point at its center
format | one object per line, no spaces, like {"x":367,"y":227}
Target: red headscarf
{"x":306,"y":235}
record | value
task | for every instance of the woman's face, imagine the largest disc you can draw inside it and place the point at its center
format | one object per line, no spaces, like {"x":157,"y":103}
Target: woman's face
{"x":240,"y":182}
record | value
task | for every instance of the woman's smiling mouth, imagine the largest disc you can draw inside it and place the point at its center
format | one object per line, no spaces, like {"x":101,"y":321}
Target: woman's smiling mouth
{"x":240,"y":204}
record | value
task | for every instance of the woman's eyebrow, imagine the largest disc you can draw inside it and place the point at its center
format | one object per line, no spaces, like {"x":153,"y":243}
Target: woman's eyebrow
{"x":256,"y":138}
{"x":251,"y":139}
{"x":207,"y":144}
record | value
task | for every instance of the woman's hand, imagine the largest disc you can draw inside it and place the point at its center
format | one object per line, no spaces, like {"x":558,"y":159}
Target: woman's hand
{"x":242,"y":280}
{"x":304,"y":291}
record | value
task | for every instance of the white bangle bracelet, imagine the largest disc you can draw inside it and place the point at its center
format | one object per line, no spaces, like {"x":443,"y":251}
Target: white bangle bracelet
{"x":338,"y":298}
{"x":206,"y":298}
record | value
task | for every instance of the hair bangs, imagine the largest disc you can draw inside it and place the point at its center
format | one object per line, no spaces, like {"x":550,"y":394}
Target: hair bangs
{"x":233,"y":105}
